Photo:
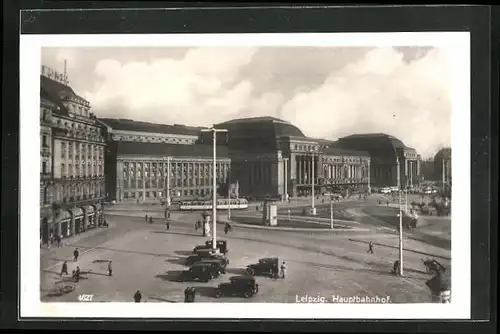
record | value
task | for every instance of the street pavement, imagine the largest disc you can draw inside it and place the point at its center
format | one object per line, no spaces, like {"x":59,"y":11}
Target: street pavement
{"x":147,"y":257}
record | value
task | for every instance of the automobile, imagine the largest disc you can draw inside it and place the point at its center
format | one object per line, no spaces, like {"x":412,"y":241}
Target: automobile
{"x":238,"y":286}
{"x":219,"y":264}
{"x":200,"y":247}
{"x":221,"y":245}
{"x":385,"y":190}
{"x":203,"y":272}
{"x":204,"y":254}
{"x":266,"y":266}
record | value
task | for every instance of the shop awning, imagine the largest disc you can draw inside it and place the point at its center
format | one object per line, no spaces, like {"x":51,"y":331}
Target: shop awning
{"x":65,"y":215}
{"x":77,"y":212}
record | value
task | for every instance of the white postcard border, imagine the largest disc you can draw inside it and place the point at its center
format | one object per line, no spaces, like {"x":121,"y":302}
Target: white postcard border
{"x":30,"y":57}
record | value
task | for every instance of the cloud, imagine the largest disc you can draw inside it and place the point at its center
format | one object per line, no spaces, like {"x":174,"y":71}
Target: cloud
{"x":326,"y":92}
{"x":381,"y":93}
{"x":199,"y":88}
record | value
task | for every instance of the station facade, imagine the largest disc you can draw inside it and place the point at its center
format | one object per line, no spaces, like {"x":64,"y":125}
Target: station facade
{"x":146,"y":161}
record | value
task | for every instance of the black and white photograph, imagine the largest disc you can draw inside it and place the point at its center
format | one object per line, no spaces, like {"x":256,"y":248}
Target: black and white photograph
{"x":325,"y":175}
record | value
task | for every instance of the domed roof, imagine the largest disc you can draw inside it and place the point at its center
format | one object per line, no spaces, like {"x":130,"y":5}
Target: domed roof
{"x":374,"y":140}
{"x":443,"y":153}
{"x":258,"y":132}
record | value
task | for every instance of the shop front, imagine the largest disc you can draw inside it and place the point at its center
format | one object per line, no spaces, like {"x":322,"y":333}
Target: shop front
{"x":46,"y":225}
{"x":66,"y":223}
{"x":91,"y":216}
{"x":79,"y":219}
{"x":99,"y":215}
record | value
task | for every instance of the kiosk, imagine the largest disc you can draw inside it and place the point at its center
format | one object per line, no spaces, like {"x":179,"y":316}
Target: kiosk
{"x":270,"y":214}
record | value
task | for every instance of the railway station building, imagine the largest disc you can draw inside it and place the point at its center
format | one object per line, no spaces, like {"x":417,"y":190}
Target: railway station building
{"x":144,"y":161}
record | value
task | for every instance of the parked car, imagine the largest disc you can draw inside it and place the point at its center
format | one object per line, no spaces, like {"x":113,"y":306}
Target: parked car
{"x":204,"y":254}
{"x":266,"y":266}
{"x":203,"y":272}
{"x":219,"y":264}
{"x":238,"y":286}
{"x":200,"y":255}
{"x":221,"y":245}
{"x":200,"y":247}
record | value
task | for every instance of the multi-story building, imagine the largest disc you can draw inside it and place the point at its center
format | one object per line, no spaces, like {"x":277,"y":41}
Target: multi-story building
{"x":146,"y":161}
{"x":386,"y":154}
{"x":273,"y":158}
{"x":77,"y":148}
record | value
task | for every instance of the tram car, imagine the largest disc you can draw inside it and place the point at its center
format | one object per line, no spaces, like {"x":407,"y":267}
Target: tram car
{"x":222,"y":204}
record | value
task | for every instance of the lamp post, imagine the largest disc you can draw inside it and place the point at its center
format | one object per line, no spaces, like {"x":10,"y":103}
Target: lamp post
{"x":400,"y":221}
{"x":331,"y":213}
{"x":285,"y":195}
{"x":229,"y":195}
{"x":168,"y":182}
{"x":214,"y":191}
{"x":313,"y":208}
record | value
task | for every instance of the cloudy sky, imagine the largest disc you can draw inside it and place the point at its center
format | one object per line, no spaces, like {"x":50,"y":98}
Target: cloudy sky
{"x":328,"y":92}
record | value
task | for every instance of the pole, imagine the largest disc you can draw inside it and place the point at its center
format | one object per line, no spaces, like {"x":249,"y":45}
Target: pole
{"x":285,"y":197}
{"x":369,"y":186}
{"x":168,"y":181}
{"x":400,"y":223}
{"x":331,"y":213}
{"x":229,"y":196}
{"x":406,"y":200}
{"x":443,"y":173}
{"x":214,"y":195}
{"x":313,"y":209}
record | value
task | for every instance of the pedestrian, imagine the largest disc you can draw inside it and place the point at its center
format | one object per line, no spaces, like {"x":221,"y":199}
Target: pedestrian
{"x":168,"y":225}
{"x":151,"y":220}
{"x":64,"y":269}
{"x":75,"y":255}
{"x":396,"y":268}
{"x":137,"y":296}
{"x":77,"y":274}
{"x":146,"y":218}
{"x":110,"y":269}
{"x":387,"y":203}
{"x":58,"y":240}
{"x":370,"y":248}
{"x":227,"y":227}
{"x":283,"y":270}
{"x":196,"y":225}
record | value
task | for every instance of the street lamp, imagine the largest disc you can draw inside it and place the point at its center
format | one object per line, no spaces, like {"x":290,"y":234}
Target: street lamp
{"x":214,"y":191}
{"x":400,"y":221}
{"x":168,"y":182}
{"x":313,"y":208}
{"x":331,"y":213}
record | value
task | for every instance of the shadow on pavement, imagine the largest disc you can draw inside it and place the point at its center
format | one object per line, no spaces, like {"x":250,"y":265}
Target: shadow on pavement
{"x":406,"y":249}
{"x":95,"y":273}
{"x":170,"y":276}
{"x":183,"y":253}
{"x":50,"y":271}
{"x":179,"y":260}
{"x":178,"y":233}
{"x":61,"y":259}
{"x":236,"y":271}
{"x":205,"y":291}
{"x":129,"y":251}
{"x":100,"y":261}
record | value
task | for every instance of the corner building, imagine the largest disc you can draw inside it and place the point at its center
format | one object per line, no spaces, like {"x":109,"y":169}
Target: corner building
{"x":74,"y":174}
{"x":145,"y":161}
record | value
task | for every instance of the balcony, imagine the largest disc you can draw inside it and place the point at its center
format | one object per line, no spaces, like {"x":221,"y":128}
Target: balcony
{"x":45,"y":176}
{"x":45,"y":151}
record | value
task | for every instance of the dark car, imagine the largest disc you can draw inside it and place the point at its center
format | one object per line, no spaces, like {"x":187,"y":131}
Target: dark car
{"x":203,"y":272}
{"x":221,"y":245}
{"x":238,"y":286}
{"x":220,"y":264}
{"x":204,"y":254}
{"x":200,"y":247}
{"x":266,"y":266}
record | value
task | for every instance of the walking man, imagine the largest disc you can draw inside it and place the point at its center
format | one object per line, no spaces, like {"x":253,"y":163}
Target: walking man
{"x":283,"y":270}
{"x":110,"y":269}
{"x":146,"y":218}
{"x":168,"y":225}
{"x":370,"y":248}
{"x":75,"y":255}
{"x":64,"y":269}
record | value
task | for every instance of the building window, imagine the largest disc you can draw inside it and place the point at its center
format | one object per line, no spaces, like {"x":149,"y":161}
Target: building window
{"x":44,"y":167}
{"x":63,"y":170}
{"x":45,"y":141}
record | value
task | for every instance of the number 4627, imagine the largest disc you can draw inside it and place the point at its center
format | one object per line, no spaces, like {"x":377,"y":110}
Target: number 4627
{"x":85,"y":298}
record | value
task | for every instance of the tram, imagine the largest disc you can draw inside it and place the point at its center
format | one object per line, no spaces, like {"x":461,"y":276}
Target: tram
{"x":222,"y":204}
